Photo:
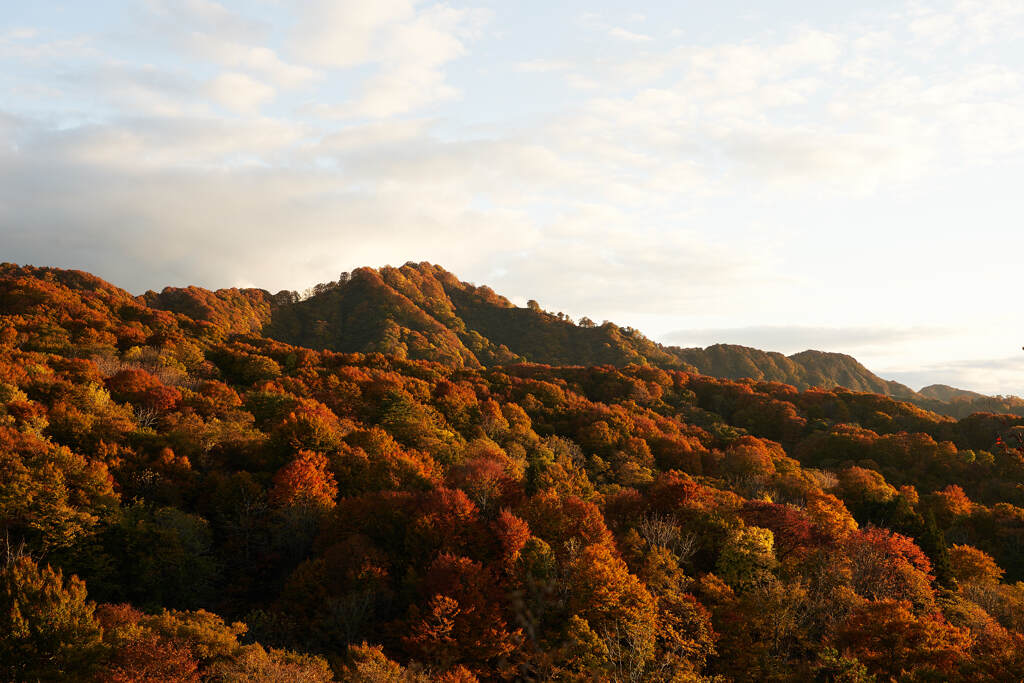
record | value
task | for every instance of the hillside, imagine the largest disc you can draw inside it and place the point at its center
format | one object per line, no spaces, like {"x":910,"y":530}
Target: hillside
{"x":423,"y":312}
{"x":184,"y":498}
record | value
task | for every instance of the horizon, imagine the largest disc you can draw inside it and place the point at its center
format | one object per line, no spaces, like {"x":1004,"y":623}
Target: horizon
{"x":840,"y":179}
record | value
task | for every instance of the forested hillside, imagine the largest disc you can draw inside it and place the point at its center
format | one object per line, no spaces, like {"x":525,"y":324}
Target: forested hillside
{"x":405,"y":478}
{"x":419,"y":312}
{"x":422,"y":312}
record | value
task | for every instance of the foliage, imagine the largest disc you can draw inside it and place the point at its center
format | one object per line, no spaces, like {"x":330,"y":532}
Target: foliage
{"x":372,"y":484}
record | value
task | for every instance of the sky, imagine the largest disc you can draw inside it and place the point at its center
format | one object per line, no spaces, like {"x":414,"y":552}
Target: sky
{"x":785,"y":175}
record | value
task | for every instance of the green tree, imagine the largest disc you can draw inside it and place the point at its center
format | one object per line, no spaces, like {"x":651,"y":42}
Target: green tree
{"x":748,"y":558}
{"x":47,"y":627}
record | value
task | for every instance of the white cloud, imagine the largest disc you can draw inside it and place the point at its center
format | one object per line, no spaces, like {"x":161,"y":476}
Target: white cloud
{"x":543,"y":66}
{"x":148,"y":145}
{"x":620,"y":33}
{"x":148,"y":226}
{"x":206,"y":17}
{"x":408,"y":46}
{"x":136,"y":90}
{"x":258,"y":59}
{"x":239,"y":92}
{"x":343,"y":34}
{"x":19,"y":33}
{"x":22,"y":44}
{"x":212,"y":32}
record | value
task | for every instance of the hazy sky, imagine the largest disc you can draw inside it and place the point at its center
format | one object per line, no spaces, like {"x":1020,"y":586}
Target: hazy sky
{"x":844,"y":176}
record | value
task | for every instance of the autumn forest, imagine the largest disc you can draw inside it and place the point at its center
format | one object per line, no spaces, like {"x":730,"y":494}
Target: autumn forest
{"x":400,"y":476}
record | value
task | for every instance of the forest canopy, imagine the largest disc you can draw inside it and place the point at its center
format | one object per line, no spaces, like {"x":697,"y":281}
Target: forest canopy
{"x":401,"y":476}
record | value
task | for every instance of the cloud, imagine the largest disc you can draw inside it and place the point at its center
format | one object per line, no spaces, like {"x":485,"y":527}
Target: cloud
{"x":1003,"y":376}
{"x":19,"y":33}
{"x":611,"y":271}
{"x":629,"y":36}
{"x":407,"y":45}
{"x":27,"y":45}
{"x":168,"y":202}
{"x":543,"y":66}
{"x":239,"y":92}
{"x":260,"y":60}
{"x":212,"y":32}
{"x":207,"y":17}
{"x":139,"y":89}
{"x":144,"y":144}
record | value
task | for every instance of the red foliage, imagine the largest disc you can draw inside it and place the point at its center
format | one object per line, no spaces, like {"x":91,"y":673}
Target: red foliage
{"x":891,"y":640}
{"x":461,"y":621}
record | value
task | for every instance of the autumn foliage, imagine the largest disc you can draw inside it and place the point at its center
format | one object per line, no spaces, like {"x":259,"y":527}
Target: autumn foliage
{"x":374,"y":484}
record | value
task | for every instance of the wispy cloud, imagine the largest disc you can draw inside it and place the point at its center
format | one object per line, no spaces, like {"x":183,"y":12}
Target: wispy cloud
{"x":620,"y":33}
{"x":239,"y":92}
{"x":543,"y":66}
{"x":407,"y":44}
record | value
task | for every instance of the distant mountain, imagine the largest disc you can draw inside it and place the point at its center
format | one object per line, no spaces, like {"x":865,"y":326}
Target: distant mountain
{"x":961,"y":403}
{"x":802,"y":370}
{"x":944,"y":392}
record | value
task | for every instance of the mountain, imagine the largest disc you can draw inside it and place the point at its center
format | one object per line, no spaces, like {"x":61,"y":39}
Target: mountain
{"x":944,"y":392}
{"x":961,"y":403}
{"x":423,"y":312}
{"x":802,"y":370}
{"x":420,"y":311}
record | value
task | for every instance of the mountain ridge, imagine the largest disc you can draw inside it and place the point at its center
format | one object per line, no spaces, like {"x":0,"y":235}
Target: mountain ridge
{"x":420,"y":311}
{"x":425,"y":312}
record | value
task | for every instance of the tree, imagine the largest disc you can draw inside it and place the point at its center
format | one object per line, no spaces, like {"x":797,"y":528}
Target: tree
{"x":254,"y":664}
{"x":747,"y":558}
{"x":48,"y":630}
{"x":461,"y":621}
{"x":888,"y":566}
{"x":888,"y":638}
{"x":368,"y":664}
{"x":139,"y":654}
{"x":157,"y":557}
{"x":971,"y":564}
{"x":830,"y":516}
{"x":304,"y":481}
{"x":862,"y":488}
{"x":614,"y":603}
{"x":50,"y":497}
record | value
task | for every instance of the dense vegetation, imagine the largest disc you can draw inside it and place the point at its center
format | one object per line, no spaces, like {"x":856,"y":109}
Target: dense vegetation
{"x":191,"y":491}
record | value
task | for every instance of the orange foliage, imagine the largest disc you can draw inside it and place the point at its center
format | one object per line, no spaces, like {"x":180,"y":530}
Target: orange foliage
{"x":891,"y":640}
{"x":971,"y":564}
{"x":305,"y":480}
